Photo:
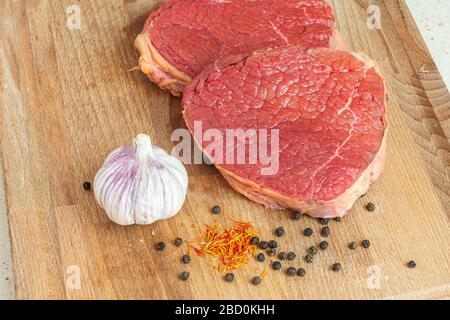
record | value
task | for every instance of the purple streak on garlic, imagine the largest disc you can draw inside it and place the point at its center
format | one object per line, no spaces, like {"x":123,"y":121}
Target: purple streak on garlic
{"x":141,"y":184}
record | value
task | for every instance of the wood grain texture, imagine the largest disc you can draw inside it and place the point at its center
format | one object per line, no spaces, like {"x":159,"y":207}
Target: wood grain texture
{"x":67,"y":100}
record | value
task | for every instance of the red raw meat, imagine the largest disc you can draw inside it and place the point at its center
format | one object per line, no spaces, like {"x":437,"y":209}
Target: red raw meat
{"x":182,"y":37}
{"x":329,"y":107}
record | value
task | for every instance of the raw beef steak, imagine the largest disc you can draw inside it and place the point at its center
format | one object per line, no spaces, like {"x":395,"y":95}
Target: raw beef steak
{"x":329,"y":107}
{"x":184,"y":36}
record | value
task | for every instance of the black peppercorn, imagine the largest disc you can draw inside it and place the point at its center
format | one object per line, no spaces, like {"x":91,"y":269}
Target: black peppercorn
{"x":325,"y":232}
{"x":312,"y":251}
{"x":273,"y":244}
{"x":337,"y":267}
{"x":254,"y":240}
{"x":301,"y":272}
{"x":216,"y":210}
{"x":178,"y":242}
{"x":276,"y":265}
{"x":184,"y":275}
{"x":365,"y":244}
{"x":323,"y":245}
{"x":282,"y":256}
{"x":412,"y":264}
{"x":160,"y":246}
{"x":263,"y":245}
{"x":279,"y":232}
{"x":370,"y":207}
{"x":324,"y":221}
{"x":353,"y":245}
{"x":186,"y":259}
{"x":261,"y":257}
{"x":309,"y":258}
{"x":291,"y":256}
{"x":296,"y":215}
{"x":229,"y":277}
{"x":308,"y":232}
{"x":256,"y":280}
{"x":272,"y":252}
{"x":87,"y":185}
{"x":291,"y":271}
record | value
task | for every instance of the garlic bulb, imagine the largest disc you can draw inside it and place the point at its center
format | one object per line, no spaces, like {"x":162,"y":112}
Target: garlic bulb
{"x":141,"y":184}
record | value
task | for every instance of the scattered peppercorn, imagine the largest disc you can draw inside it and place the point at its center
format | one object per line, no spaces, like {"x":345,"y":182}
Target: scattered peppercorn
{"x":276,"y":265}
{"x":282,"y":256}
{"x":412,"y":264}
{"x":178,"y":242}
{"x":279,"y":232}
{"x":296,"y":215}
{"x":229,"y":277}
{"x":370,"y":207}
{"x":363,"y":195}
{"x":324,"y":221}
{"x":256,"y":280}
{"x":263,"y":245}
{"x":309,"y":258}
{"x":261,"y":257}
{"x":365,"y":244}
{"x":301,"y":272}
{"x":272,"y":252}
{"x":184,"y":275}
{"x":291,"y":271}
{"x":160,"y":246}
{"x":216,"y":210}
{"x":273,"y":244}
{"x":312,"y":251}
{"x":186,"y":259}
{"x":338,"y":219}
{"x":87,"y":185}
{"x":337,"y":267}
{"x":323,"y":245}
{"x":353,"y":245}
{"x":291,"y":256}
{"x":325,"y":232}
{"x":254,"y":240}
{"x":308,"y":232}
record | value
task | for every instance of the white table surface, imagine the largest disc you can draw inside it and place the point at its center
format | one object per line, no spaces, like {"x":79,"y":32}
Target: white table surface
{"x":432,"y":18}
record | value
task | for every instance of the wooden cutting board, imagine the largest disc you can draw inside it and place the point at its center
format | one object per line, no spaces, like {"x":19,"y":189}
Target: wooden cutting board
{"x":67,"y":100}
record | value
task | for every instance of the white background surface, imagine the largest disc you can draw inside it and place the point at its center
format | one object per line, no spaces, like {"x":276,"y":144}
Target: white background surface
{"x":433,"y":20}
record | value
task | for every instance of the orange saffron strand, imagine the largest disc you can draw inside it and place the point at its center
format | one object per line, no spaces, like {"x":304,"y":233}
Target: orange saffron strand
{"x":231,"y":247}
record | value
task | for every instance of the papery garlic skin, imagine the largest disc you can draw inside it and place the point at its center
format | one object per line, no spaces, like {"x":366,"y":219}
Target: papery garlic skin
{"x":141,"y":184}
